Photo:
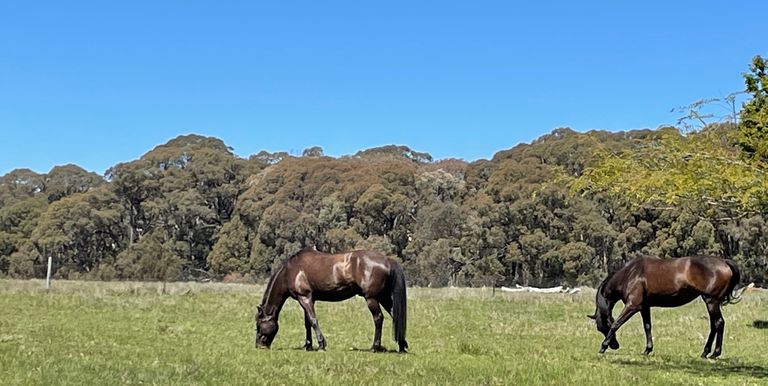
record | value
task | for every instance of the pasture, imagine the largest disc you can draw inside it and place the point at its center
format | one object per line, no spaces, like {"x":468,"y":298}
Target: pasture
{"x":191,"y":333}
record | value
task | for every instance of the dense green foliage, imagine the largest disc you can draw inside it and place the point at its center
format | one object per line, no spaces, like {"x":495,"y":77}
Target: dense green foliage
{"x":565,"y":209}
{"x":202,"y":334}
{"x":190,"y":208}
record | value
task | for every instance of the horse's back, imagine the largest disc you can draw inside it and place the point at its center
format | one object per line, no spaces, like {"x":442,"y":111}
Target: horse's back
{"x":694,"y":266}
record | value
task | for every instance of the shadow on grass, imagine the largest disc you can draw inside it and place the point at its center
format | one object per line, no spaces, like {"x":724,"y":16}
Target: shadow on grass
{"x":761,"y":324}
{"x":699,"y":366}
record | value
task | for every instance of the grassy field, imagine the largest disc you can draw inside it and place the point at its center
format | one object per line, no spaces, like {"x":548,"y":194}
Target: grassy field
{"x":131,"y":333}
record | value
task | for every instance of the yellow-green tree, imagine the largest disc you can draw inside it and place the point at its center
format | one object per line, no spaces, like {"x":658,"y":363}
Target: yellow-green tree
{"x":718,"y":171}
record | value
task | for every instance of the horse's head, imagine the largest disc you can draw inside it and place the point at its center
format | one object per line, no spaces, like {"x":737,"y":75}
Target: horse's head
{"x":603,"y":316}
{"x":603,"y":322}
{"x":266,"y":326}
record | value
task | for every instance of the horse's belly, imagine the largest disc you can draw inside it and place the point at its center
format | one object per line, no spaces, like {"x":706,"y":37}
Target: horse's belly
{"x":675,"y":300}
{"x":337,"y":294}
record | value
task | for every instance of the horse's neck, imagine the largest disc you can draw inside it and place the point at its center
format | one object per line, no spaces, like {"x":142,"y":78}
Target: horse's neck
{"x":614,"y":290}
{"x":276,"y":293}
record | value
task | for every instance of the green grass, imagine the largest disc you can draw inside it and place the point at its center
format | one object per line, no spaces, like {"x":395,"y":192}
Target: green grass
{"x":130,"y":333}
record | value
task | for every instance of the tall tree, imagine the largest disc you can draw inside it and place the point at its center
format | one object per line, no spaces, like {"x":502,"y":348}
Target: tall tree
{"x":81,"y":231}
{"x":753,"y":128}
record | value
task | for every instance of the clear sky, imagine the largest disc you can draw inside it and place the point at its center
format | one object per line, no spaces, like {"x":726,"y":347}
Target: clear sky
{"x":97,"y":83}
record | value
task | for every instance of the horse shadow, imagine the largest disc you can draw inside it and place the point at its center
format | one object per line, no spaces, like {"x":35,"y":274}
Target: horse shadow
{"x":698,"y":366}
{"x":368,"y":350}
{"x":760,"y":324}
{"x":353,"y":349}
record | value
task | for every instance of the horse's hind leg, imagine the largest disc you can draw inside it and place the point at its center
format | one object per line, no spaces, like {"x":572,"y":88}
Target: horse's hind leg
{"x":712,"y":330}
{"x":721,"y":331}
{"x":386,"y":302}
{"x":646,"y":314}
{"x":309,"y":308}
{"x":308,"y":328}
{"x":378,"y":320}
{"x":716,"y":330}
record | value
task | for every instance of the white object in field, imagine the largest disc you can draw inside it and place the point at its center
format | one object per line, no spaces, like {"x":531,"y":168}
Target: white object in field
{"x":552,"y":290}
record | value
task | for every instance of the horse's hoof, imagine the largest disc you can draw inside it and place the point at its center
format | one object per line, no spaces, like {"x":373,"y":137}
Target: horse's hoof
{"x":647,"y":352}
{"x":602,"y":350}
{"x":378,"y":349}
{"x":321,"y":344}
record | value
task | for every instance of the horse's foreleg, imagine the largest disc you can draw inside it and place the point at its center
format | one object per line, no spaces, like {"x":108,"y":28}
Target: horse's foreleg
{"x":309,"y":308}
{"x":716,"y":330}
{"x":645,"y":312}
{"x":378,"y":320}
{"x":308,"y":328}
{"x":626,"y":313}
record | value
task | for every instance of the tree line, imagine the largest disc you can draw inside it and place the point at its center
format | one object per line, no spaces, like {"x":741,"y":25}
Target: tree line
{"x":565,"y":209}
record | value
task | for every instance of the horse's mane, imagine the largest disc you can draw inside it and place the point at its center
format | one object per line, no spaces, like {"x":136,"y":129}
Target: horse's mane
{"x":601,"y":299}
{"x":604,"y":282}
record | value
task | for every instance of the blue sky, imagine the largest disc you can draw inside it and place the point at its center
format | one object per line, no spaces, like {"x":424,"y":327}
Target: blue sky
{"x":97,"y":83}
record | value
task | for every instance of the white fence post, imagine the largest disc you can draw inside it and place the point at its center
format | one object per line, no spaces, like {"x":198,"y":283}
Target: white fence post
{"x":48,"y":276}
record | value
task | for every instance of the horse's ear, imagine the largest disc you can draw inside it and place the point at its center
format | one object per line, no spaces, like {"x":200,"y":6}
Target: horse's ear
{"x":593,"y":317}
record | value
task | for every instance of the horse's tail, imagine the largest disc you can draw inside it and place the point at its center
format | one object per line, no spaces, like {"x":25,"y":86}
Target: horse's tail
{"x":731,"y":297}
{"x":399,"y":304}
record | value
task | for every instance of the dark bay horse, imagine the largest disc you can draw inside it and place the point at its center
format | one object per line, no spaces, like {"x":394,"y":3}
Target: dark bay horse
{"x":653,"y":282}
{"x":310,"y":275}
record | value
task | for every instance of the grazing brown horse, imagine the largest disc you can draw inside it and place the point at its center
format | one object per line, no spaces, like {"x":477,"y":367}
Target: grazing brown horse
{"x":310,"y":275}
{"x":652,"y":282}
